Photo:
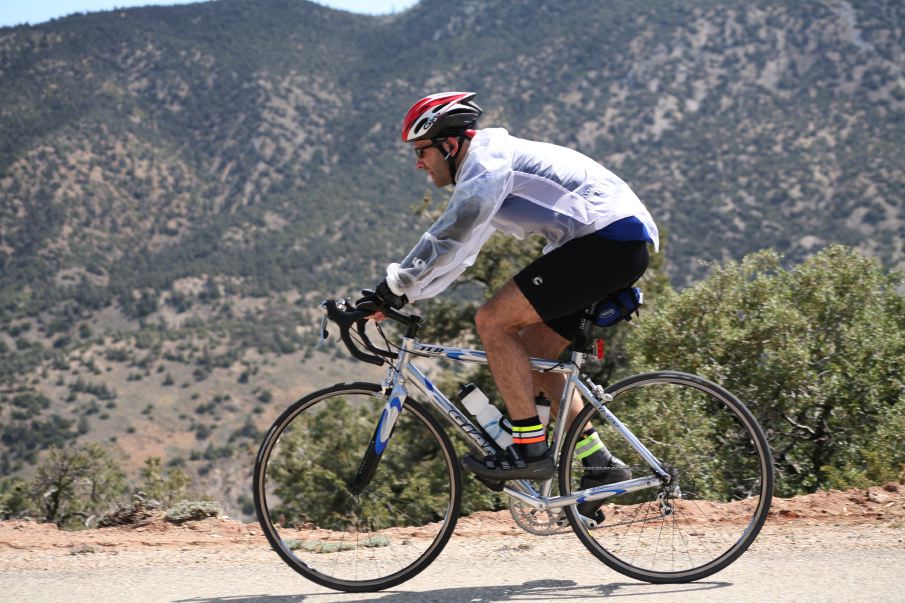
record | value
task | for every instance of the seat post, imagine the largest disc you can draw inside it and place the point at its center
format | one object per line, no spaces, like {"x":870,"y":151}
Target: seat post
{"x":578,"y":358}
{"x":582,"y":340}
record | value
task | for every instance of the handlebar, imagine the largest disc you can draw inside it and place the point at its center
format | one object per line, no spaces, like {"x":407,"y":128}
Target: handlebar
{"x":341,"y":312}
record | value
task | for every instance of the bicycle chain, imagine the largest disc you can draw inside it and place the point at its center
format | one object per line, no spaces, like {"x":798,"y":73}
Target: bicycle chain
{"x":606,"y":524}
{"x":553,"y":521}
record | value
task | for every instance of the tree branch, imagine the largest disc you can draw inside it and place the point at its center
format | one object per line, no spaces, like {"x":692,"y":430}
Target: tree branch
{"x":798,"y":425}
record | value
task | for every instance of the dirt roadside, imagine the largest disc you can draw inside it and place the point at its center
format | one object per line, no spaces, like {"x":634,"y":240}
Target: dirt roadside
{"x":873,"y":518}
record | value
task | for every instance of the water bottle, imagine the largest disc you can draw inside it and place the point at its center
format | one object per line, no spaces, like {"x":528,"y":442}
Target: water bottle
{"x":488,"y":416}
{"x":542,"y":402}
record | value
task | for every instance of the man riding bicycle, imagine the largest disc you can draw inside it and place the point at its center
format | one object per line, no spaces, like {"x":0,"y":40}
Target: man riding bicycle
{"x":597,"y":233}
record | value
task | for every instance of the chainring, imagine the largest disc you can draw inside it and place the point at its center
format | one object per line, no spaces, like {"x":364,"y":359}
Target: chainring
{"x":537,"y":522}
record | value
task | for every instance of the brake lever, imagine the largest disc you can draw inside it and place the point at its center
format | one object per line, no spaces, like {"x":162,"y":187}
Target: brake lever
{"x":324,"y":334}
{"x":345,"y":316}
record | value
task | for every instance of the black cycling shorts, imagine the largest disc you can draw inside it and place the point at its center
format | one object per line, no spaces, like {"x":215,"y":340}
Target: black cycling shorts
{"x":562,"y":283}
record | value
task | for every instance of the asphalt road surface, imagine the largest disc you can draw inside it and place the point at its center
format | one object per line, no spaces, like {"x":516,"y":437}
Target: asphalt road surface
{"x":534,"y":573}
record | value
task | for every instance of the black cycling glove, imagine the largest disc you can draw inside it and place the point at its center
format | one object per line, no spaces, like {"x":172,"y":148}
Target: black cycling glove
{"x":381,"y":298}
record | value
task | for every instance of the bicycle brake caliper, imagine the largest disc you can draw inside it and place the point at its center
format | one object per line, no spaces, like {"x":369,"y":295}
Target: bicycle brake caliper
{"x":387,"y":382}
{"x":598,"y":391}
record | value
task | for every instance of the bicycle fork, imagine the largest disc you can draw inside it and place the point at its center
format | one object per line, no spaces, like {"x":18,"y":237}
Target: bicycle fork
{"x":379,"y":440}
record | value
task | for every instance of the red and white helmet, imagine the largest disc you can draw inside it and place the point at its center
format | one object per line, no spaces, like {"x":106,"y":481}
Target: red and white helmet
{"x":439,"y":115}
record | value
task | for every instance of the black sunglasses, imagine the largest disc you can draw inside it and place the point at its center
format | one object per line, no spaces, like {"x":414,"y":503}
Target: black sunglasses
{"x":419,"y":151}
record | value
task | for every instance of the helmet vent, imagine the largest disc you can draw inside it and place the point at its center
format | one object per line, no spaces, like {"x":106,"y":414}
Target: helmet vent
{"x":446,"y":113}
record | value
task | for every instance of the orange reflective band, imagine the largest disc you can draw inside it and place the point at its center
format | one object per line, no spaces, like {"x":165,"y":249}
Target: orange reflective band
{"x":518,"y":440}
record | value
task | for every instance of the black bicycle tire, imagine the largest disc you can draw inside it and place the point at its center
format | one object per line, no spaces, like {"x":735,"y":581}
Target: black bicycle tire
{"x":760,"y":515}
{"x":373,"y":585}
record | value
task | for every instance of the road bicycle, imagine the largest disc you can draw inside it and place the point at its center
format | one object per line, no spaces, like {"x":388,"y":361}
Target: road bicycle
{"x":358,"y":487}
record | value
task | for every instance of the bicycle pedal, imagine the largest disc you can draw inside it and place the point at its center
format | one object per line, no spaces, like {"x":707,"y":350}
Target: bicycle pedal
{"x":591,"y":523}
{"x":492,"y":484}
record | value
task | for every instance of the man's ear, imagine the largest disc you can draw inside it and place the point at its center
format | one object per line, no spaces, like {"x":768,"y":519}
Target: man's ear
{"x":452,"y":144}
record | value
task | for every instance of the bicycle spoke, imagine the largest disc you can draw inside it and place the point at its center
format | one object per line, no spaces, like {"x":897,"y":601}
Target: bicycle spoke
{"x":657,"y":544}
{"x":719,"y":494}
{"x":356,"y":542}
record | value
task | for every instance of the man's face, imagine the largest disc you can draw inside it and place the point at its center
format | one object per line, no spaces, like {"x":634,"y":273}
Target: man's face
{"x":431,"y":158}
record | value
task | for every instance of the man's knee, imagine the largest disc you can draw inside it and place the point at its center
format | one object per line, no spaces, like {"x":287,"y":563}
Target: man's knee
{"x":483,"y":319}
{"x":508,"y":310}
{"x":488,"y":318}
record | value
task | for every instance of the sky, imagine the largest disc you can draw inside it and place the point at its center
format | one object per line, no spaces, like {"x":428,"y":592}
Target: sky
{"x":18,"y":12}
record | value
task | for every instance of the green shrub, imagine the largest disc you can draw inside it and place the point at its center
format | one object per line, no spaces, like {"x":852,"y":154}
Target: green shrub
{"x":76,"y":483}
{"x":817,"y":352}
{"x":193,"y":511}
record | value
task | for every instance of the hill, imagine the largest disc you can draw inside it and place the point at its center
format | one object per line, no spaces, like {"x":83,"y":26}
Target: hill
{"x":179,"y":186}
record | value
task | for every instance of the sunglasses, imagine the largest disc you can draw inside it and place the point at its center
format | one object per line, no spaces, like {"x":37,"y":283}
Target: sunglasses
{"x":419,"y":151}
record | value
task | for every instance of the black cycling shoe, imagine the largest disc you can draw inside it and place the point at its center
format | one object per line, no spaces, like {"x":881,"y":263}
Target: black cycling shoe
{"x":617,"y":472}
{"x":492,"y":484}
{"x":500,"y":467}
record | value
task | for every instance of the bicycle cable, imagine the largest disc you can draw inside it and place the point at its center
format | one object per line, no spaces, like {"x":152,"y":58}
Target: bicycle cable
{"x":357,"y":338}
{"x":389,"y":345}
{"x":396,"y":347}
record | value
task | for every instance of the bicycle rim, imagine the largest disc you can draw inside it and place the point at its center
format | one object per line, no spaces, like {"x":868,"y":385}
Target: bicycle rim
{"x":720,"y":494}
{"x":369,"y":541}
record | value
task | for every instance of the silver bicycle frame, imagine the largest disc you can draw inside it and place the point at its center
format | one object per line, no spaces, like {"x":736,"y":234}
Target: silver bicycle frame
{"x":406,"y":375}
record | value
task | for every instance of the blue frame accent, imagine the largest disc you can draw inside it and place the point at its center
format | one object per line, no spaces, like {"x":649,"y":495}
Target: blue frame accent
{"x":595,"y":491}
{"x":387,"y":422}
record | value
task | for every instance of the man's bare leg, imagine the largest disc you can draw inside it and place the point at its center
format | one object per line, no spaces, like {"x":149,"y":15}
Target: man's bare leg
{"x":499,"y":323}
{"x":543,"y":342}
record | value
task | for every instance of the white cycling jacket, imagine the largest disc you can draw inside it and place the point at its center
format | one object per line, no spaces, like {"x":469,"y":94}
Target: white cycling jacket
{"x":520,"y":187}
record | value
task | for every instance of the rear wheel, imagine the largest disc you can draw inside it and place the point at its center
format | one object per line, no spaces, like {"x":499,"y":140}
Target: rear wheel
{"x":717,"y":500}
{"x":350,"y":536}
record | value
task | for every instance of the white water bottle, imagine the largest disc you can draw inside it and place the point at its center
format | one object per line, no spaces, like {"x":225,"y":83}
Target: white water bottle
{"x":542,"y":403}
{"x":489,"y":416}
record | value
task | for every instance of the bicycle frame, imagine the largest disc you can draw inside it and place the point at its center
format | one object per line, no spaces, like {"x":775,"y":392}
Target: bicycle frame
{"x":405,"y":374}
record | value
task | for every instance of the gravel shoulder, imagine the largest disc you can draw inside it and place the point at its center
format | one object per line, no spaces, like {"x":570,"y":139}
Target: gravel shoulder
{"x":219,"y":559}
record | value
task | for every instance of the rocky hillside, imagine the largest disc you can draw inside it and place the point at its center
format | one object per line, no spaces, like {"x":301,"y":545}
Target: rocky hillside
{"x":180,"y":185}
{"x":169,"y":141}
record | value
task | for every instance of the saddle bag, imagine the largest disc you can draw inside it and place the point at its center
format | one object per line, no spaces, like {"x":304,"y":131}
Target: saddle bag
{"x":618,"y":306}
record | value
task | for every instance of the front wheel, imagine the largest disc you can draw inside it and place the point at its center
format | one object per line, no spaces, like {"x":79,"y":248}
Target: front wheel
{"x":339,"y":531}
{"x":721,"y":486}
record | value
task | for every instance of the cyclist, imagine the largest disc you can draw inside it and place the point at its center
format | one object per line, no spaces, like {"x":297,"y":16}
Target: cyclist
{"x":597,"y":233}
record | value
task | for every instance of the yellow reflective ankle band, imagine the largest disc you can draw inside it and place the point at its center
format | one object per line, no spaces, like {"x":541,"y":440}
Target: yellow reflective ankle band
{"x":588,"y":446}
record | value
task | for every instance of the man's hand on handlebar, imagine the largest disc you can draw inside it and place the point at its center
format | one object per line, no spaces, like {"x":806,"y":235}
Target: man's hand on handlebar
{"x":341,"y":313}
{"x":380,"y":299}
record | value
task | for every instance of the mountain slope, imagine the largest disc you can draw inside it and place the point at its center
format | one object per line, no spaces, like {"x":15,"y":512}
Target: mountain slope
{"x":740,"y":125}
{"x":179,"y":186}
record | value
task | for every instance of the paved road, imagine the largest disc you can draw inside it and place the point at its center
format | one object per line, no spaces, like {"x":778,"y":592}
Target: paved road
{"x":859,"y":575}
